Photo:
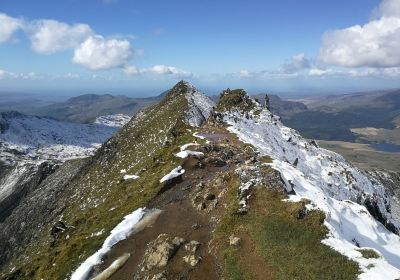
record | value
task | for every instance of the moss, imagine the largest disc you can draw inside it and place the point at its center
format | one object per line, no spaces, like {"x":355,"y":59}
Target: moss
{"x":286,"y":243}
{"x":235,"y":99}
{"x":369,"y":253}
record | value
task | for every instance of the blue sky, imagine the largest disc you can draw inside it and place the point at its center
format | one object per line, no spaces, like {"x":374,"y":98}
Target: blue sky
{"x":142,"y":47}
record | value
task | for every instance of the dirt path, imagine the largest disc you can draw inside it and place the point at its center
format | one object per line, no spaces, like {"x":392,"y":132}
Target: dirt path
{"x":180,"y":218}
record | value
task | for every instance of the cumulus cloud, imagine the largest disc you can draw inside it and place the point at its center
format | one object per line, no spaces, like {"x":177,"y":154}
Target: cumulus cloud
{"x":98,"y":53}
{"x":3,"y":74}
{"x":298,"y":62}
{"x":8,"y":26}
{"x":166,"y":70}
{"x":50,"y":36}
{"x":375,"y":44}
{"x":387,"y":8}
{"x":158,"y":70}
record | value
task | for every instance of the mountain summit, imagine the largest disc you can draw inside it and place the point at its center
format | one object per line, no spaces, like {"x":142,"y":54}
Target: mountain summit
{"x":189,"y":189}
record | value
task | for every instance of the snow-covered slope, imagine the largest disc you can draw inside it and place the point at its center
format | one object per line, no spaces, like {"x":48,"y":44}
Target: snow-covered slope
{"x":200,"y":106}
{"x":117,"y":120}
{"x":331,"y":184}
{"x":40,"y":139}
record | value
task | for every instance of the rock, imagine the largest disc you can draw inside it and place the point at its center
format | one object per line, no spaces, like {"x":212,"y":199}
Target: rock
{"x":160,"y":251}
{"x":242,"y":211}
{"x":251,"y":160}
{"x":196,"y":226}
{"x":212,"y":204}
{"x":192,"y":246}
{"x":201,"y":206}
{"x":192,"y":260}
{"x":209,"y":196}
{"x":160,"y":276}
{"x":314,"y":143}
{"x":218,"y":162}
{"x":234,"y":241}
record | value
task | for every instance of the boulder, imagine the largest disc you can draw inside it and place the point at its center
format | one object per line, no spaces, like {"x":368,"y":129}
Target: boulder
{"x":160,"y":251}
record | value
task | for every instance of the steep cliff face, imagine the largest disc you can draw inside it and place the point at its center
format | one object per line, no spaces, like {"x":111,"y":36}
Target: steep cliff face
{"x":193,"y":190}
{"x":31,"y":148}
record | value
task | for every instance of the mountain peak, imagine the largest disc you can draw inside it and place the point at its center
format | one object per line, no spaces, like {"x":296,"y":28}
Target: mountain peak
{"x":181,"y":88}
{"x":235,"y":99}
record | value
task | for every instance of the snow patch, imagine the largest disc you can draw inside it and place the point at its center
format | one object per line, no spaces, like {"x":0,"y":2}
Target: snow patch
{"x":187,"y":153}
{"x":184,"y":147}
{"x":130,"y":177}
{"x":176,"y":172}
{"x":120,"y":232}
{"x":117,"y":120}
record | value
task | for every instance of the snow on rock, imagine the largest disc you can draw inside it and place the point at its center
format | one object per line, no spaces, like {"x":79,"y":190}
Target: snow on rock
{"x":38,"y":139}
{"x":200,"y":106}
{"x":333,"y":185}
{"x":122,"y":171}
{"x":117,"y":120}
{"x":187,"y":153}
{"x":123,"y":230}
{"x":130,"y":177}
{"x":176,"y":172}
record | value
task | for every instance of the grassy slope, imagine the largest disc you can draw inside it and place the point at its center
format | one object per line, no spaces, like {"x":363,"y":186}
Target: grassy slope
{"x":100,"y":199}
{"x":281,"y":245}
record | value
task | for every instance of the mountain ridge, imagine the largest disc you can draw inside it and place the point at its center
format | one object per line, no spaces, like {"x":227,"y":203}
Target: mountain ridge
{"x":239,"y":165}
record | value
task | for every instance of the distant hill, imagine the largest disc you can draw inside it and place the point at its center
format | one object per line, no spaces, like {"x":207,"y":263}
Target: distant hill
{"x":282,"y":107}
{"x":332,"y":117}
{"x":85,"y":108}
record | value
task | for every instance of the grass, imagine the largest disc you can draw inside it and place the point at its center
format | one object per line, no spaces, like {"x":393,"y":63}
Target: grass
{"x":290,"y":248}
{"x":236,"y":99}
{"x":369,"y":254}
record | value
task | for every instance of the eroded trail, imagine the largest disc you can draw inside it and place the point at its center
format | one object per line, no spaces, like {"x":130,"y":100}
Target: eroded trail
{"x":191,"y":209}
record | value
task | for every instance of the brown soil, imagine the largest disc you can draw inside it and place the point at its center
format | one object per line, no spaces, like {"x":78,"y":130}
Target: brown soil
{"x":178,"y":219}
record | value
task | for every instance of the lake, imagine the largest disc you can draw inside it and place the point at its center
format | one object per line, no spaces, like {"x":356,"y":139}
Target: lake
{"x":383,"y":147}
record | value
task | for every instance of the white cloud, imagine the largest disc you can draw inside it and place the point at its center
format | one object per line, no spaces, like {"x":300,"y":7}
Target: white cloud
{"x":244,"y":73}
{"x":387,"y":8}
{"x":131,"y":70}
{"x":98,"y":53}
{"x":167,"y":70}
{"x":158,"y":70}
{"x":3,"y":74}
{"x":319,"y":72}
{"x":298,"y":62}
{"x":8,"y":26}
{"x":50,"y":36}
{"x":375,"y":44}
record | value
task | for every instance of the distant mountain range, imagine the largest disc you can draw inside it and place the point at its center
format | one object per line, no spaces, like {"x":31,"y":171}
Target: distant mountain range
{"x":85,"y":108}
{"x":333,"y":117}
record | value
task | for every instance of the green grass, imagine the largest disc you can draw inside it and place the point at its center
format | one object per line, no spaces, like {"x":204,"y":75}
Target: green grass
{"x":290,"y":245}
{"x":369,"y":254}
{"x":231,"y":264}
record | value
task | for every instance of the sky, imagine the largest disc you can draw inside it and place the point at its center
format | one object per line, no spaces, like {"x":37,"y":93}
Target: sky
{"x":143,"y":47}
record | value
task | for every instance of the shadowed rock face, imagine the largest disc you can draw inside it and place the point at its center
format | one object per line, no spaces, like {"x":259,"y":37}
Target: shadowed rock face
{"x":27,"y":182}
{"x":34,"y":207}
